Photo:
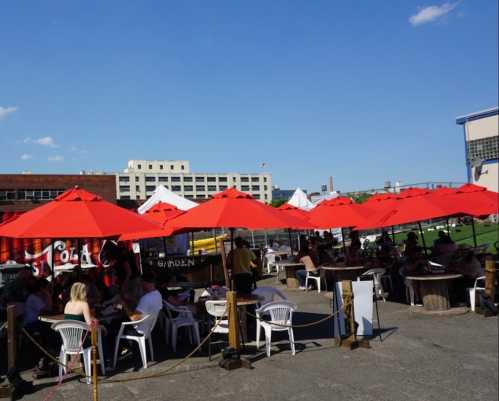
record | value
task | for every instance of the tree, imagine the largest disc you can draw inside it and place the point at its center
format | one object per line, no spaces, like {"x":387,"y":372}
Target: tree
{"x":277,"y":202}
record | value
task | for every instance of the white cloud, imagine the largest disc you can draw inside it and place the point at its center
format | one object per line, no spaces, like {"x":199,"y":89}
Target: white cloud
{"x":43,"y":141}
{"x":26,"y":156}
{"x":5,"y":111}
{"x":56,"y":158}
{"x":431,"y":13}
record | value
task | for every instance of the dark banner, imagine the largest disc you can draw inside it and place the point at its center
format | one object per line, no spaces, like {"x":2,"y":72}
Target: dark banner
{"x":185,"y":263}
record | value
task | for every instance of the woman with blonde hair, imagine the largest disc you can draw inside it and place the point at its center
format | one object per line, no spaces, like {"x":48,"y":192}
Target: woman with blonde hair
{"x":77,"y":307}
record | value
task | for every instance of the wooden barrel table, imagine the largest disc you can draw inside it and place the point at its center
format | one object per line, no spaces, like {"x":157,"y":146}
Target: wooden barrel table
{"x":290,"y":269}
{"x":434,"y":290}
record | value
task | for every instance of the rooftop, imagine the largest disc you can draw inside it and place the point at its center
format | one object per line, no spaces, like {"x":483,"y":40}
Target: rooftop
{"x":477,"y":115}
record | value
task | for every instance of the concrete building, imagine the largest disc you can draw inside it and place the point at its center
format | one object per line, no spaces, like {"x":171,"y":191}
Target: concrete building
{"x":481,"y":137}
{"x":139,"y":180}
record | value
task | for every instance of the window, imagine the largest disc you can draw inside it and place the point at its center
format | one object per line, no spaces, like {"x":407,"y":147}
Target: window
{"x":188,"y":187}
{"x":266,"y":197}
{"x":150,"y":188}
{"x":222,"y":187}
{"x":244,"y":179}
{"x":212,"y":187}
{"x":137,"y":188}
{"x":187,"y":179}
{"x":175,"y":179}
{"x":222,"y":179}
{"x":163,"y":179}
{"x":483,"y":149}
{"x":125,"y":197}
{"x":137,"y":197}
{"x":161,"y":167}
{"x":200,"y":188}
{"x":212,"y":179}
{"x":150,"y":179}
{"x":150,"y":166}
{"x":176,"y":188}
{"x":172,"y":167}
{"x":124,"y":178}
{"x":255,"y":187}
{"x":182,"y":167}
{"x":256,"y":196}
{"x":124,"y":188}
{"x":265,"y":187}
{"x":244,"y":187}
{"x":199,"y":179}
{"x":264,"y":179}
{"x":139,"y":166}
{"x":255,"y":179}
{"x":234,"y":179}
{"x":137,"y":178}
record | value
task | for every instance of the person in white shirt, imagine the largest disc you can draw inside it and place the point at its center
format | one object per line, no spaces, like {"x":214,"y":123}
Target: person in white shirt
{"x":150,"y":303}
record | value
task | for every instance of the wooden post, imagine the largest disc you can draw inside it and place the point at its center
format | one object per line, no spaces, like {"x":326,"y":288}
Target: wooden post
{"x":11,"y":336}
{"x":7,"y":391}
{"x":233,"y":320}
{"x":93,"y":334}
{"x":351,"y":341}
{"x":490,"y":278}
{"x":224,"y":262}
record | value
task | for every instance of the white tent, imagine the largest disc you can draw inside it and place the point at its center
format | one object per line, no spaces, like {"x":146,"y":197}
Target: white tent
{"x":300,"y":200}
{"x":322,"y":197}
{"x":162,"y":194}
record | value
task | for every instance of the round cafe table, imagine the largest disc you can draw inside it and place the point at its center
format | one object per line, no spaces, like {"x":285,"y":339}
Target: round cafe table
{"x":434,"y":289}
{"x":340,"y":273}
{"x":290,"y":268}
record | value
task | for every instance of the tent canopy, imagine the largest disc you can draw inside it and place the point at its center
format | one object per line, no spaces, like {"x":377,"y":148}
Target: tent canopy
{"x":300,"y":200}
{"x":162,"y":194}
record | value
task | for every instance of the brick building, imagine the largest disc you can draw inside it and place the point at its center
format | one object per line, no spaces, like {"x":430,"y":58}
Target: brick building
{"x":21,"y":192}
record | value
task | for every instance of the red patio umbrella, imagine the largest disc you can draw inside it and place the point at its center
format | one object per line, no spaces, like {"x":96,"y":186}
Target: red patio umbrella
{"x":76,"y":213}
{"x":340,"y":200}
{"x":341,"y":215}
{"x":161,"y":212}
{"x":234,"y":209}
{"x":294,"y":211}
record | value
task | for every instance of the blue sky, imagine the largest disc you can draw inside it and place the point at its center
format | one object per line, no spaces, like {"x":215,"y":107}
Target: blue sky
{"x":363,"y":91}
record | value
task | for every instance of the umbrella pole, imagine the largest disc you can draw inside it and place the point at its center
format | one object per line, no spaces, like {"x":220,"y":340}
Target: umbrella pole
{"x":265,"y":235}
{"x":164,"y":246}
{"x":474,"y":232}
{"x":422,"y":239}
{"x":343,"y":240}
{"x":448,"y":228}
{"x":192,"y":243}
{"x":232,"y":255}
{"x":393,"y":235}
{"x":290,"y":241}
{"x":52,"y":267}
{"x":253,"y":238}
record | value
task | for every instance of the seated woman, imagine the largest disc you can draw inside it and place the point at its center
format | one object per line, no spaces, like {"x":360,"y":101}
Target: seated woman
{"x":301,"y":275}
{"x":77,"y":307}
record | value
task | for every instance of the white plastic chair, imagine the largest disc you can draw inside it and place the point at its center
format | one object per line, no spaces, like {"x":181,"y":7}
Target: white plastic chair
{"x":313,"y":272}
{"x":473,"y":292}
{"x":184,"y":318}
{"x":270,"y":261}
{"x":144,"y":327}
{"x":266,"y":295}
{"x":281,"y":318}
{"x":218,"y":309}
{"x":377,"y":275}
{"x":72,"y":333}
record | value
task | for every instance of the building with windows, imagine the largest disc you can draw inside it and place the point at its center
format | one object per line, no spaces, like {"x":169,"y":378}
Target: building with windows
{"x":21,"y":192}
{"x":481,"y":139}
{"x":139,"y":180}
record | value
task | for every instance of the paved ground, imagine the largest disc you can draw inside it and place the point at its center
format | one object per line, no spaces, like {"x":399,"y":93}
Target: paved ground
{"x":420,"y":358}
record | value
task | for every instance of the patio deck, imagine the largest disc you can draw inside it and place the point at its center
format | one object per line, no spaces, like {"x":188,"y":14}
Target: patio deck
{"x":421,"y":358}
